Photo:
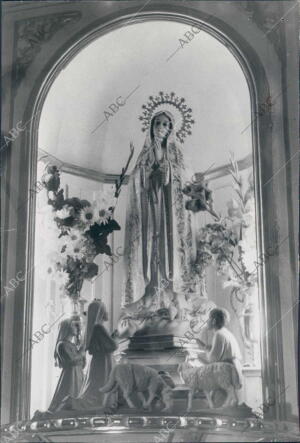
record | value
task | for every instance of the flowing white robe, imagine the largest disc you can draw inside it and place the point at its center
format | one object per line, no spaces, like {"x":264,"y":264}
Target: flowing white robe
{"x":157,"y":211}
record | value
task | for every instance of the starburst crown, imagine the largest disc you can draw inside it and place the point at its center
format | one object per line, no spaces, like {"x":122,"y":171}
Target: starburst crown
{"x":169,"y":102}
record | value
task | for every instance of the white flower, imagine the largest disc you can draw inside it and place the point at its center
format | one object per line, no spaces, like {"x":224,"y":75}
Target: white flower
{"x":46,"y":177}
{"x":56,"y":258}
{"x":74,"y":235}
{"x":62,"y":278}
{"x":65,"y":212}
{"x":103,"y":216}
{"x":74,"y":250}
{"x":73,"y":244}
{"x":233,"y":209}
{"x":87,"y":216}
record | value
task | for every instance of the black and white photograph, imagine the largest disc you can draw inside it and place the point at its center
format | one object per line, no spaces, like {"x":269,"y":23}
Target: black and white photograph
{"x":150,"y":221}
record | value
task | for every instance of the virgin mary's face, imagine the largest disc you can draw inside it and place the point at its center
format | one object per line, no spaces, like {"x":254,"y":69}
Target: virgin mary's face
{"x":161,"y":127}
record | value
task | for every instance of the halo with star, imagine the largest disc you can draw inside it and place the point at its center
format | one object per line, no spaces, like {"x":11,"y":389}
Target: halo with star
{"x":174,"y":104}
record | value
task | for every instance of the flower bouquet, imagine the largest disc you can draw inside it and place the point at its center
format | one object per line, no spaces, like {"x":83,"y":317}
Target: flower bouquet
{"x":217,"y":241}
{"x":83,"y":234}
{"x":226,"y":241}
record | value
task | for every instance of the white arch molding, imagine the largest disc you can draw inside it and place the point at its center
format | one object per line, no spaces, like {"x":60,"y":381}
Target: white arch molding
{"x":272,"y":369}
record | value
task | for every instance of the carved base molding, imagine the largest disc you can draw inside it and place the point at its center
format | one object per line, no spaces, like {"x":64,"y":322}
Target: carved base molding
{"x":187,"y":428}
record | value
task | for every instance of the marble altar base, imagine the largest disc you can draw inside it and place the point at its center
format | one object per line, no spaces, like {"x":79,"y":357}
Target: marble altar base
{"x":161,"y":352}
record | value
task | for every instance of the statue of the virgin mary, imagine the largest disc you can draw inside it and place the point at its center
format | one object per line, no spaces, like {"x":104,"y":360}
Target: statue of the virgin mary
{"x":159,"y":243}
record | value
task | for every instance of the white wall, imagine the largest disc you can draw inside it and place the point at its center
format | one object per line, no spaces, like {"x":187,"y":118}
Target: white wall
{"x":204,"y":72}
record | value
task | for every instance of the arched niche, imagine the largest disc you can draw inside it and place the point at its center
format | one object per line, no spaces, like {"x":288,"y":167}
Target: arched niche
{"x":257,"y":72}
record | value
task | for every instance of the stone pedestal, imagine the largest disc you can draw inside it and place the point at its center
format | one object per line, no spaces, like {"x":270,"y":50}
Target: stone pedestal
{"x":161,"y":352}
{"x":165,"y":353}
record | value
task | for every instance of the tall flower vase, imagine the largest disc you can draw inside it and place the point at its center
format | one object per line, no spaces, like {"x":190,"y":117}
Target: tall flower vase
{"x":76,"y":288}
{"x":76,"y":304}
{"x":79,"y":317}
